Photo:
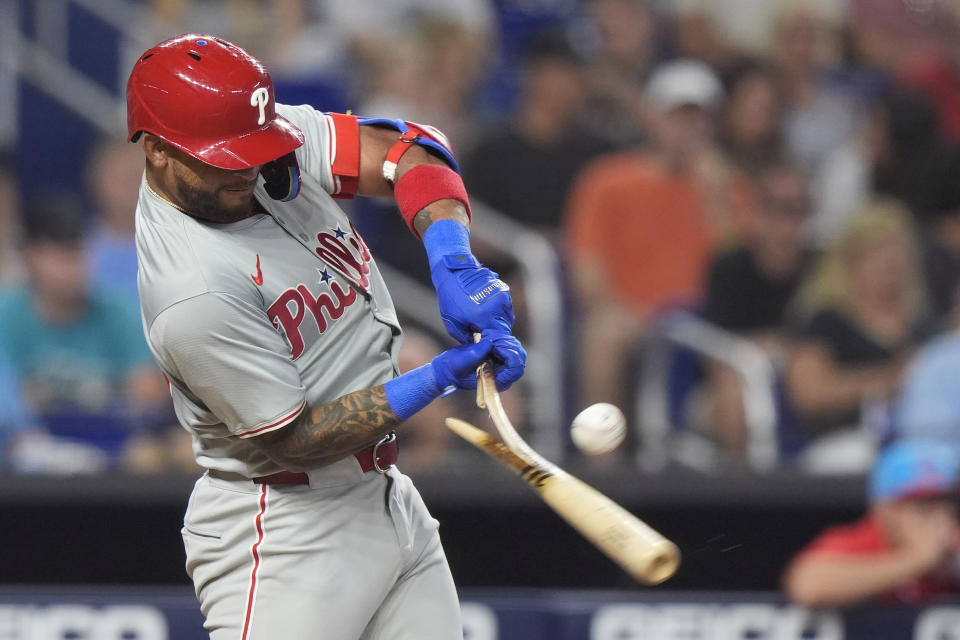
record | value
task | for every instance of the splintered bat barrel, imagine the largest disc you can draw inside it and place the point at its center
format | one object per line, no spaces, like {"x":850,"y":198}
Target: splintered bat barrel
{"x":640,"y":550}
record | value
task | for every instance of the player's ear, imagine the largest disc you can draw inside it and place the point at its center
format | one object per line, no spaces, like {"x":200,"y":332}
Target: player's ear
{"x":155,"y":149}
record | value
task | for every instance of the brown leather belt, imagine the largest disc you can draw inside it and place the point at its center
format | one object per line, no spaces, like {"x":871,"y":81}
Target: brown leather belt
{"x":378,"y":457}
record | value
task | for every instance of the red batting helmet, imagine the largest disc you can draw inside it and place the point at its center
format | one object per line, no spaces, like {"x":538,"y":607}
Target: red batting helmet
{"x":211,"y":99}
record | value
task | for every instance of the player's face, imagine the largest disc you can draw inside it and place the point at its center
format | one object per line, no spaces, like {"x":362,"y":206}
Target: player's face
{"x":210,"y":193}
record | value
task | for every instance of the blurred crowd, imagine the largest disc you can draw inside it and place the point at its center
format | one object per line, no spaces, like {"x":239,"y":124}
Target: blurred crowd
{"x":786,"y":172}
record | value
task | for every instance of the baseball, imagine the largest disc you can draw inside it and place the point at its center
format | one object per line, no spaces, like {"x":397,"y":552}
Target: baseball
{"x":598,"y":429}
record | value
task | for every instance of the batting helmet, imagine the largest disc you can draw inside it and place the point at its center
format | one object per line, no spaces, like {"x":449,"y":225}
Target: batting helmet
{"x":211,"y":99}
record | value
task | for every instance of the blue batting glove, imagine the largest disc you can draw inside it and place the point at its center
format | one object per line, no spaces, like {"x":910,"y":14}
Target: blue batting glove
{"x":508,"y":357}
{"x":471,"y":297}
{"x":456,"y":368}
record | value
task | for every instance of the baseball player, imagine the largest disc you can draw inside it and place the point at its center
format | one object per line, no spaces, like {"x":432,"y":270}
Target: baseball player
{"x":268,"y":316}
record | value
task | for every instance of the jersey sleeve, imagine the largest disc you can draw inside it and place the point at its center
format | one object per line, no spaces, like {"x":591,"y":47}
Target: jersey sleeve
{"x":230,"y":357}
{"x":331,"y":151}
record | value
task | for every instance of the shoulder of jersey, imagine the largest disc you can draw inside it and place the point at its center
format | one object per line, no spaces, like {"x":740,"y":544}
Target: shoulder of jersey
{"x":186,"y":259}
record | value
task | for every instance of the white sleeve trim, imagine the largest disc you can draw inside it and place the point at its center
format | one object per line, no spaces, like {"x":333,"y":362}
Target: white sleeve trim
{"x":276,"y":424}
{"x":332,"y":153}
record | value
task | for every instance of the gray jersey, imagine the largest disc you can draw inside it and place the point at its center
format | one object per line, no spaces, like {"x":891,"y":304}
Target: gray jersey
{"x":253,"y":320}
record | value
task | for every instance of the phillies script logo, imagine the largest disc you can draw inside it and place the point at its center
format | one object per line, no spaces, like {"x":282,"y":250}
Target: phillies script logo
{"x":350,"y":256}
{"x":260,"y":98}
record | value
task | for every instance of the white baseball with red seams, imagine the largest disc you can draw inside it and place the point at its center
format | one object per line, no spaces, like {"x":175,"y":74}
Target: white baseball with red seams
{"x":598,"y":429}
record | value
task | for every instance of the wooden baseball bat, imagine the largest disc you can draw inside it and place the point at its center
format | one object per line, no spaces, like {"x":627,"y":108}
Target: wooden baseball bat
{"x":636,"y":547}
{"x":628,"y":541}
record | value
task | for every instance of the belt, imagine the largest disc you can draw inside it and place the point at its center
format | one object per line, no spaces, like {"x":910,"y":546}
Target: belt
{"x":379,"y":458}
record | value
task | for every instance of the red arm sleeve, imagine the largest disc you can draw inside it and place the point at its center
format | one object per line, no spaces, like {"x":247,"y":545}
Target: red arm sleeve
{"x":345,"y":154}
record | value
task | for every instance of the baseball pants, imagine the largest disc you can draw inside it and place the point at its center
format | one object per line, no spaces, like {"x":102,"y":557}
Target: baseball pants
{"x":351,"y":556}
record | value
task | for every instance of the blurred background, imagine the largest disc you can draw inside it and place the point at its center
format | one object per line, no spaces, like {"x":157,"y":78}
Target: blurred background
{"x":737,"y":220}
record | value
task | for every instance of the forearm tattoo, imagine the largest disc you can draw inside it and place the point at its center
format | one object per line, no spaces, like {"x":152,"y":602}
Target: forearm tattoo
{"x":326,"y":433}
{"x":438,"y":211}
{"x":422,"y":220}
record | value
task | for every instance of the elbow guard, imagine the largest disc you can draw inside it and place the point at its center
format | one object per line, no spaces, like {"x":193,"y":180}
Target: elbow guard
{"x":411,"y":133}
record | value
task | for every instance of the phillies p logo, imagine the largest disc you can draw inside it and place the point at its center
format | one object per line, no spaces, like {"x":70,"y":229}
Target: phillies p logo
{"x":259,"y":98}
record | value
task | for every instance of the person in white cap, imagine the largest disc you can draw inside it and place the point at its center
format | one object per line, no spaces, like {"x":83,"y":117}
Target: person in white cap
{"x":642,"y":225}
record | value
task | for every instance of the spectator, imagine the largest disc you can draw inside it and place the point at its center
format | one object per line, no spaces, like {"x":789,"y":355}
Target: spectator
{"x":78,"y":355}
{"x":642,"y":226}
{"x":256,"y":25}
{"x":114,"y":173}
{"x":940,"y":238}
{"x":818,"y":115}
{"x":28,"y":448}
{"x":895,"y":153}
{"x":861,"y":314}
{"x":929,"y":406}
{"x":747,"y":26}
{"x":429,"y":73}
{"x":626,"y":38}
{"x":904,"y":550}
{"x":750,"y":130}
{"x":15,"y":419}
{"x":750,"y":288}
{"x":937,"y":74}
{"x":11,"y":266}
{"x":524,"y":167}
{"x":892,"y":35}
{"x":700,"y":35}
{"x":327,"y":38}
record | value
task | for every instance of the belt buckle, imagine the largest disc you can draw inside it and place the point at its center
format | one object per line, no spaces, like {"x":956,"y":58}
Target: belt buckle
{"x":387,"y":439}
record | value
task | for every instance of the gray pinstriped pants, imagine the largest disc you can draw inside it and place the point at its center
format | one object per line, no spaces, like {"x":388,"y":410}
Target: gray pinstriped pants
{"x":352,"y":556}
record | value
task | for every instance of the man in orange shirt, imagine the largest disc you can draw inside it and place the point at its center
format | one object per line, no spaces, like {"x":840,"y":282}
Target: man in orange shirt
{"x":642,"y":226}
{"x":903,"y":550}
